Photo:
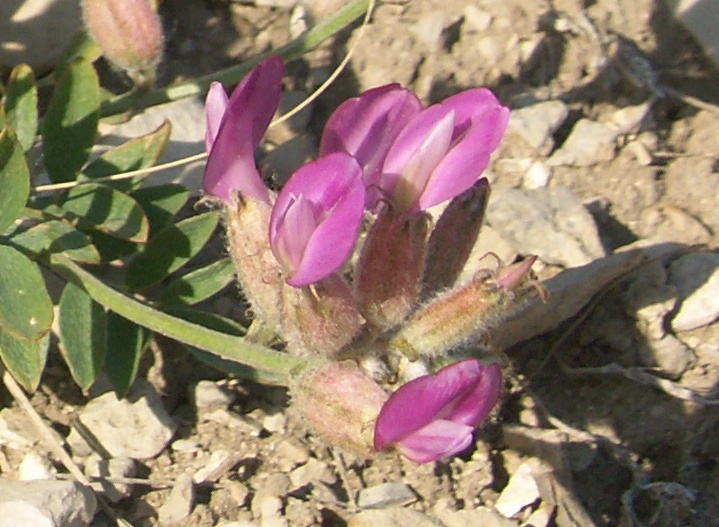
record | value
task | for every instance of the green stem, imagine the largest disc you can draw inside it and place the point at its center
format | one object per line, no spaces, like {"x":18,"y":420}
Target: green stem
{"x":271,"y":366}
{"x":292,"y":50}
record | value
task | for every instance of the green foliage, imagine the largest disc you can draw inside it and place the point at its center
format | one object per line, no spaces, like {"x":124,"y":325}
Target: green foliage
{"x":14,"y":179}
{"x":21,"y":105}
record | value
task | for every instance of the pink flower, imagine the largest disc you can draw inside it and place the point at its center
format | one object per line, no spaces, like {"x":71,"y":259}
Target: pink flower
{"x":316,"y":218}
{"x":365,"y":128}
{"x":433,"y":417}
{"x":235,"y":129}
{"x":443,"y":150}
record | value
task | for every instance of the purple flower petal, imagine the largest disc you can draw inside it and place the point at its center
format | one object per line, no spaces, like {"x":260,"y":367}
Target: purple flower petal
{"x":231,"y":164}
{"x":474,"y":407}
{"x":366,"y":126}
{"x":215,"y":106}
{"x":438,"y":440}
{"x":331,"y":193}
{"x":419,"y":402}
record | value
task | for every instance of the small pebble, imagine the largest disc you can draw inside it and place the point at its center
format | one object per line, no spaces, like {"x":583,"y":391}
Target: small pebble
{"x":207,"y":394}
{"x":179,"y":503}
{"x":521,"y":492}
{"x":386,"y":495}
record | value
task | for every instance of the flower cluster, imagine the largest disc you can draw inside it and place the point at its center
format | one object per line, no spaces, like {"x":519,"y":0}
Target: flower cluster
{"x":383,"y":161}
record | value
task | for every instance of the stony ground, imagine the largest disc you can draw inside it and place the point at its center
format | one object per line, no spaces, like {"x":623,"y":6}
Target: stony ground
{"x":608,"y":169}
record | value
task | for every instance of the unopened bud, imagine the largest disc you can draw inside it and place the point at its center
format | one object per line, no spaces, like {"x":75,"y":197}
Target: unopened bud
{"x":129,"y":32}
{"x":390,"y":268}
{"x":454,"y":237}
{"x":257,"y":270}
{"x":340,"y":403}
{"x":320,"y":319}
{"x":458,"y":316}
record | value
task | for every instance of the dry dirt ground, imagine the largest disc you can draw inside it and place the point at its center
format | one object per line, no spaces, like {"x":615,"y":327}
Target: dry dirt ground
{"x":601,"y":446}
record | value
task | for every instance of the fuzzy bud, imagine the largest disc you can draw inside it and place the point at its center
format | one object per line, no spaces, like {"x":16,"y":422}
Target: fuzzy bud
{"x":320,"y":319}
{"x":340,"y":403}
{"x":129,"y":32}
{"x":258,"y":272}
{"x":458,"y":316}
{"x":390,"y":267}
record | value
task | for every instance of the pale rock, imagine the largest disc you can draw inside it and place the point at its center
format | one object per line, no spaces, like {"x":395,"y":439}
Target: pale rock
{"x":667,"y":223}
{"x":238,"y":524}
{"x":589,"y":143}
{"x":45,"y":503}
{"x":491,"y":48}
{"x":137,"y":427}
{"x":537,"y":123}
{"x":700,"y":18}
{"x":225,"y":418}
{"x":179,"y":503}
{"x":186,"y":446}
{"x":629,"y":118}
{"x":291,"y":454}
{"x":187,"y":138}
{"x":477,"y":19}
{"x":268,"y":509}
{"x":311,"y":472}
{"x":275,"y":423}
{"x":386,"y":495}
{"x":217,"y":466}
{"x":34,"y":466}
{"x":208,"y":394}
{"x":97,"y":467}
{"x":481,"y":516}
{"x":542,"y":517}
{"x":37,"y":32}
{"x":275,"y":484}
{"x":10,"y":435}
{"x":429,"y":29}
{"x":668,"y":354}
{"x":537,"y":176}
{"x":521,"y":492}
{"x":551,"y":223}
{"x":696,"y":277}
{"x":393,"y":517}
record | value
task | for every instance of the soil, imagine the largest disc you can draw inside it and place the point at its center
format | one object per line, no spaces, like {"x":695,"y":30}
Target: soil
{"x":603,"y":438}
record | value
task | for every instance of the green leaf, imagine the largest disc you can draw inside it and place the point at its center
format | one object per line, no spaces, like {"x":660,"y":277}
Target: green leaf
{"x":126,"y":341}
{"x":25,"y":306}
{"x":24,"y":359}
{"x":141,"y":152}
{"x":170,"y":250}
{"x":57,"y":237}
{"x":267,"y":365}
{"x":71,"y":121}
{"x":199,"y":284}
{"x":82,"y":46}
{"x":14,"y":179}
{"x":161,"y":203}
{"x":110,"y":211}
{"x":21,"y":105}
{"x":83,"y":334}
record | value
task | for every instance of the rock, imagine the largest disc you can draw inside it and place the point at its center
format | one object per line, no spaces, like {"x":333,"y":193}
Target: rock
{"x":429,"y":29}
{"x":477,"y":19}
{"x":268,"y":509}
{"x":481,"y":516}
{"x":97,"y":467}
{"x":276,"y":484}
{"x":45,"y":504}
{"x":665,"y":222}
{"x":699,"y":18}
{"x":668,"y":354}
{"x":692,"y":185}
{"x":179,"y":503}
{"x":311,"y":472}
{"x":37,"y":32}
{"x":208,"y":394}
{"x":394,"y":517}
{"x":220,"y":462}
{"x":34,"y":466}
{"x":542,"y":517}
{"x":537,"y":123}
{"x":521,"y":492}
{"x":187,"y":138}
{"x":629,"y":118}
{"x":550,"y":223}
{"x":275,"y":423}
{"x":588,"y":143}
{"x":238,"y":524}
{"x":137,"y":427}
{"x":696,"y":277}
{"x":386,"y":495}
{"x":291,"y":454}
{"x":537,"y":176}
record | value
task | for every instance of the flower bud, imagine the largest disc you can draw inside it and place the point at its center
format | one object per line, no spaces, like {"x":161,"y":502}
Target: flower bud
{"x":258,"y":272}
{"x":390,"y":268}
{"x":129,"y":32}
{"x":458,"y":316}
{"x":340,"y":403}
{"x":320,"y":319}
